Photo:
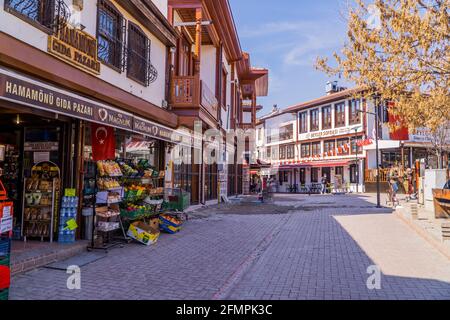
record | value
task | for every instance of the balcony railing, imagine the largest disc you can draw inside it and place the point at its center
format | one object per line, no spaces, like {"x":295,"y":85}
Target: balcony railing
{"x":190,"y":91}
{"x":371,"y":174}
{"x":185,"y":91}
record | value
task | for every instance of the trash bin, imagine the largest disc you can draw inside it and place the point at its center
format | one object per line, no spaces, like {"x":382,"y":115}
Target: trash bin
{"x":88,"y":216}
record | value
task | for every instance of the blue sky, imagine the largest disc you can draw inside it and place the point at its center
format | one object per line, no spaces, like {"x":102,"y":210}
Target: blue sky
{"x":286,"y":36}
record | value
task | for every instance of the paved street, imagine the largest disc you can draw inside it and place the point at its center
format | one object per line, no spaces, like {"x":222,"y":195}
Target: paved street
{"x":317,"y":247}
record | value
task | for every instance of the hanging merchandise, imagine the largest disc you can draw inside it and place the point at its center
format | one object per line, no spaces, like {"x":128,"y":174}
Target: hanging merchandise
{"x":103,"y":142}
{"x":41,"y":199}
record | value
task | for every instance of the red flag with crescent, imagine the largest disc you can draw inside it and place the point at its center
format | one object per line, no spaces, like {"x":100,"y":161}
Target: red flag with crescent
{"x":103,"y":142}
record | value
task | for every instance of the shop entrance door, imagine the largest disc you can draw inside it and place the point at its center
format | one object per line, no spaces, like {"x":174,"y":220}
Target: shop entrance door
{"x":327,"y":172}
{"x":302,"y":176}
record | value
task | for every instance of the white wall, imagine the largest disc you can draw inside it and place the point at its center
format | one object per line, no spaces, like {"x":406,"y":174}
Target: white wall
{"x":226,"y":115}
{"x":162,"y":6}
{"x":154,"y":93}
{"x":208,"y":67}
{"x":247,"y":117}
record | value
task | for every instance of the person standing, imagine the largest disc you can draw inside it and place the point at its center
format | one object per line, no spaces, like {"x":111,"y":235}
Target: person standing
{"x":324,"y":184}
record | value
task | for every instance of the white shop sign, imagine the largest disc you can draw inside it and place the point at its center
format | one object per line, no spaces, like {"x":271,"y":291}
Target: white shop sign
{"x":329,"y":133}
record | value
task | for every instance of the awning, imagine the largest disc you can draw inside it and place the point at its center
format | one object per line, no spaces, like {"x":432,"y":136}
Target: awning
{"x":294,"y":166}
{"x":383,"y":144}
{"x":325,"y":164}
{"x":138,"y":146}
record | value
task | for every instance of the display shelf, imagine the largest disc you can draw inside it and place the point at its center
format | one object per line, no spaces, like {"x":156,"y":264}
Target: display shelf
{"x":101,"y":199}
{"x":45,"y":183}
{"x":38,"y":205}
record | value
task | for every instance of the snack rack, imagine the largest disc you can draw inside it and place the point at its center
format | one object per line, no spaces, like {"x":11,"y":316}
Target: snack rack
{"x":40,"y":202}
{"x":6,"y":219}
{"x":106,"y":208}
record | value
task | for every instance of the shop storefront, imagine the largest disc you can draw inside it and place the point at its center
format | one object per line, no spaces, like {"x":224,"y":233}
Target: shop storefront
{"x":61,"y":150}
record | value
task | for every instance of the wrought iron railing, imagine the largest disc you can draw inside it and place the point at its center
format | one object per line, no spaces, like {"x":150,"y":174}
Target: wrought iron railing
{"x":139,"y":56}
{"x":111,"y":35}
{"x":51,"y":14}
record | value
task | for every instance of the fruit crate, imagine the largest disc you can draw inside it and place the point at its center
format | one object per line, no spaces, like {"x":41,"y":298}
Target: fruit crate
{"x":169,"y":224}
{"x":4,"y":294}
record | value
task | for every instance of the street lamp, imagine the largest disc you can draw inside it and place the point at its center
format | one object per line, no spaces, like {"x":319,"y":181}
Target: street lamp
{"x":377,"y":125}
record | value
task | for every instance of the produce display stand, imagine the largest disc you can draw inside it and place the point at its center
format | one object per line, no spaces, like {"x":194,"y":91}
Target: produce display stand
{"x":6,"y":217}
{"x":144,"y":192}
{"x":129,"y":195}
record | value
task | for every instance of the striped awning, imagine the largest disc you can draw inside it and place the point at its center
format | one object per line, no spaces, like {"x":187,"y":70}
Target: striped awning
{"x":138,"y":146}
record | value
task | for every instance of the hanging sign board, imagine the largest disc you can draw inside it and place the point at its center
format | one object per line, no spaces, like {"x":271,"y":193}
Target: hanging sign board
{"x":41,"y":146}
{"x":75,"y":47}
{"x":51,"y":99}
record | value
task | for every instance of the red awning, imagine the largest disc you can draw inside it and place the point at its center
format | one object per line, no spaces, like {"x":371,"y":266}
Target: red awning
{"x":294,"y":166}
{"x":324,"y":164}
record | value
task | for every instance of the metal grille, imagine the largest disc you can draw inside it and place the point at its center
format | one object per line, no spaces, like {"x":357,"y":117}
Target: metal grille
{"x":138,"y":58}
{"x":111,"y":35}
{"x":52,"y":14}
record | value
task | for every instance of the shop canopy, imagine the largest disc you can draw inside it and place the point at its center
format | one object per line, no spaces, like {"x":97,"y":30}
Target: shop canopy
{"x":325,"y":164}
{"x":316,"y":164}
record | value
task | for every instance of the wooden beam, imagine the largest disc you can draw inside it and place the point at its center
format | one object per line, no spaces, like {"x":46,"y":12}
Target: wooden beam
{"x":185,"y":4}
{"x":198,"y":38}
{"x":156,"y":23}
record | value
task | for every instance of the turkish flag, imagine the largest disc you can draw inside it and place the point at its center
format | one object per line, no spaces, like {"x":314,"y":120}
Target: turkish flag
{"x":103,"y":142}
{"x":398,"y":130}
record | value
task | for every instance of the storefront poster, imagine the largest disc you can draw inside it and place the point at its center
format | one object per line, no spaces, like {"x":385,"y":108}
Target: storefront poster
{"x":41,"y":157}
{"x":6,"y":224}
{"x":6,"y":212}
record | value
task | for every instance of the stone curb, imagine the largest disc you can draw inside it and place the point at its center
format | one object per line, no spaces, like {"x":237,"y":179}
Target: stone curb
{"x":441,"y":247}
{"x":19,"y":267}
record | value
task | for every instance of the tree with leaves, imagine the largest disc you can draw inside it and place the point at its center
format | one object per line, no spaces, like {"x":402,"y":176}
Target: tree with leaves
{"x":399,"y":50}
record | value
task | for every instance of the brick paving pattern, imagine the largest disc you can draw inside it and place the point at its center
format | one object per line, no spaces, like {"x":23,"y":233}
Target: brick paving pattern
{"x":321,"y":249}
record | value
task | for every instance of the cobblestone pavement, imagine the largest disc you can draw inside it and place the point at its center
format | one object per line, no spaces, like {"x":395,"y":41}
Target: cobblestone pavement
{"x":318,"y":249}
